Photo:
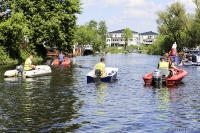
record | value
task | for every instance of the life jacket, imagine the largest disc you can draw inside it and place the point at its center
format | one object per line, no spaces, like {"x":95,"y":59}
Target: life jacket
{"x":26,"y":66}
{"x":164,"y":65}
{"x":173,"y":52}
{"x":100,"y":66}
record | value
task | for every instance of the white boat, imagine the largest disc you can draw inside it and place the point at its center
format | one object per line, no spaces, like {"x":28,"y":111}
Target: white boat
{"x":39,"y":71}
{"x":111,"y":75}
{"x":190,"y":63}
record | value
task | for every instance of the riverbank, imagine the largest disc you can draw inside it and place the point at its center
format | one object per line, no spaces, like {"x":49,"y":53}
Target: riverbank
{"x":136,"y":49}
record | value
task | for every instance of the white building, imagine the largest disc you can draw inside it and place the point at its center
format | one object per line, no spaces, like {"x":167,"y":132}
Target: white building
{"x":116,"y":38}
{"x":148,"y":37}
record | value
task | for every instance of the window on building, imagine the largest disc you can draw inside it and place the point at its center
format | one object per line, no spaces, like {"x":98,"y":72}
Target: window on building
{"x":150,"y":37}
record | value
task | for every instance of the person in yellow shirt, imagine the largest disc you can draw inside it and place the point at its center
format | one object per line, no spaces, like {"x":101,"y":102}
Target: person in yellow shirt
{"x":28,"y":63}
{"x":101,"y":66}
{"x":162,"y":64}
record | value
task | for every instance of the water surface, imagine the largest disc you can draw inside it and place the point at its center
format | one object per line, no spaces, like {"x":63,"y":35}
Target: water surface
{"x":64,"y":102}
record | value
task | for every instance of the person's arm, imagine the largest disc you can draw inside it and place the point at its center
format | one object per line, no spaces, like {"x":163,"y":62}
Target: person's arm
{"x":30,"y":65}
{"x":104,"y":70}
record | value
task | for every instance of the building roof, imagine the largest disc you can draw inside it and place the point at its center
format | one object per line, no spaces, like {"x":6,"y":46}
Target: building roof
{"x":121,"y":31}
{"x":149,"y":33}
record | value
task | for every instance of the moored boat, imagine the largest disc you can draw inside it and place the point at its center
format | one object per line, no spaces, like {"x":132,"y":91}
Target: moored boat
{"x":64,"y":63}
{"x":150,"y":79}
{"x":111,"y":75}
{"x":39,"y":71}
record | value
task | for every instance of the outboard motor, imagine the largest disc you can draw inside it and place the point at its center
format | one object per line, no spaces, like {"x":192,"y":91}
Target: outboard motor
{"x":20,"y":70}
{"x":157,"y":77}
{"x":98,"y":75}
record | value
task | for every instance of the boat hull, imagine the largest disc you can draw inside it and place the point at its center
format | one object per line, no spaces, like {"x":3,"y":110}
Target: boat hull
{"x":64,"y":63}
{"x":40,"y":71}
{"x":148,"y":78}
{"x":110,"y":77}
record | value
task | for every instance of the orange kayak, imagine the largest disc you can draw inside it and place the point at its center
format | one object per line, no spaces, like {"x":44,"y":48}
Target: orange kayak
{"x":64,"y":63}
{"x":148,"y":78}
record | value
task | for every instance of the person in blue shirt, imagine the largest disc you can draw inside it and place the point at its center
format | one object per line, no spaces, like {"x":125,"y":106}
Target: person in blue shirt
{"x":61,"y":57}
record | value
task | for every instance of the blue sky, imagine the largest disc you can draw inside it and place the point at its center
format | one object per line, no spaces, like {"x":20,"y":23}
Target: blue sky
{"x":137,"y":15}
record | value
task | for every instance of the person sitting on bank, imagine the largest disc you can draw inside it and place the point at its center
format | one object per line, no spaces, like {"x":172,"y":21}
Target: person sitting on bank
{"x":28,"y":63}
{"x":101,"y":66}
{"x":61,"y":58}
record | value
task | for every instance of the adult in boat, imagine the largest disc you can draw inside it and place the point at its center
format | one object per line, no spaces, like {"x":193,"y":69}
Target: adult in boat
{"x":163,"y":64}
{"x":194,"y":58}
{"x":172,"y":66}
{"x":61,"y":57}
{"x":100,"y":68}
{"x":174,"y":50}
{"x":28,"y":63}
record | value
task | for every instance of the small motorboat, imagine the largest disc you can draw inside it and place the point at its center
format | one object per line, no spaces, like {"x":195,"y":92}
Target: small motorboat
{"x":160,"y":76}
{"x":19,"y":71}
{"x":195,"y":62}
{"x":111,"y":75}
{"x":190,"y":63}
{"x":64,"y":63}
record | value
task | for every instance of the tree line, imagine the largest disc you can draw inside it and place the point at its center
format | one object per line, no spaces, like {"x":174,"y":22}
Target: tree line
{"x":34,"y":23}
{"x":175,"y":25}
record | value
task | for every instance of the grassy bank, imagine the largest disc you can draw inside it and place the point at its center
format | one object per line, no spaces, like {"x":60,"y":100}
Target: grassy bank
{"x":128,"y":48}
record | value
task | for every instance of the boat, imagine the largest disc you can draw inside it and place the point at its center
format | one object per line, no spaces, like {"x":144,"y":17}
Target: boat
{"x":111,"y":75}
{"x":64,"y":63}
{"x":196,"y":61}
{"x":39,"y":71}
{"x":158,"y":77}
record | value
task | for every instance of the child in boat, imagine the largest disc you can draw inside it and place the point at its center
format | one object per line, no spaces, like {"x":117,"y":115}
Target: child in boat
{"x":101,"y":66}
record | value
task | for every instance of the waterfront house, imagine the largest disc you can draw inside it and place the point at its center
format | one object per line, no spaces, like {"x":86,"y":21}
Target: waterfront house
{"x":115,"y":38}
{"x":148,"y":37}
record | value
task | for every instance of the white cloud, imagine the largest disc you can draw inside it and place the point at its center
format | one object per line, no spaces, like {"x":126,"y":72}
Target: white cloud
{"x":137,"y":3}
{"x":133,"y":13}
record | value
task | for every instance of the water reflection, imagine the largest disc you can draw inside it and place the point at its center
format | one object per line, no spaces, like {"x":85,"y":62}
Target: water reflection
{"x":101,"y":92}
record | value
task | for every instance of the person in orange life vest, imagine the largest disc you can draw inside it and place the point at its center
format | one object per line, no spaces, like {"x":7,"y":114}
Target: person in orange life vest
{"x":61,"y":58}
{"x":28,"y":64}
{"x":101,"y":66}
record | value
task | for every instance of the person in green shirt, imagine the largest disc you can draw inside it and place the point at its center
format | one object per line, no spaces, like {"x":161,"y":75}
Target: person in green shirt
{"x":28,"y":63}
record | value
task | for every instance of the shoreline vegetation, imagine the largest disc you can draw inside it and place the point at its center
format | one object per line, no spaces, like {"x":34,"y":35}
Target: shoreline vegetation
{"x":6,"y":60}
{"x":143,"y":49}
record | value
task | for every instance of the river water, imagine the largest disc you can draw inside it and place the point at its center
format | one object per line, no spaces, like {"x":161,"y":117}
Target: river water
{"x":64,"y":102}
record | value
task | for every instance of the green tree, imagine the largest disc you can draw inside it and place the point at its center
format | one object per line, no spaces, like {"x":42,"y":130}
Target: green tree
{"x":102,"y":30}
{"x":51,"y":22}
{"x":127,"y":33}
{"x":92,"y":25}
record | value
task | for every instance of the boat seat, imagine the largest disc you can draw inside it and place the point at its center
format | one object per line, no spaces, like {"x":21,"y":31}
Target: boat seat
{"x":164,"y":72}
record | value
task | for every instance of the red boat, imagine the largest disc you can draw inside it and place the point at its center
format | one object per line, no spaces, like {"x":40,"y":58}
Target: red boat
{"x":64,"y":63}
{"x":169,"y":81}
